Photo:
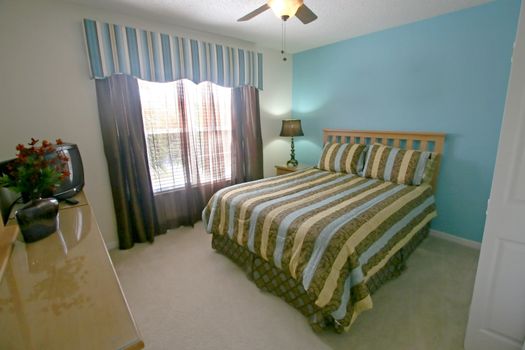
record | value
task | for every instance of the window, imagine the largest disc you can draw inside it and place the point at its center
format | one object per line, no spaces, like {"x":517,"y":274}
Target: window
{"x":188,"y":133}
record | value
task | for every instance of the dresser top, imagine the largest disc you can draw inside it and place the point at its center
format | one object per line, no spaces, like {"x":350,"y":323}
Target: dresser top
{"x":62,"y":292}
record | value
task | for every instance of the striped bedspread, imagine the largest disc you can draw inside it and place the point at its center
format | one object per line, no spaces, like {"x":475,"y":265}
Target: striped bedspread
{"x":329,"y":231}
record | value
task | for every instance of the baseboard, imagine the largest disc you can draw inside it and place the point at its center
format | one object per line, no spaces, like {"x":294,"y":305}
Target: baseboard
{"x":456,"y":239}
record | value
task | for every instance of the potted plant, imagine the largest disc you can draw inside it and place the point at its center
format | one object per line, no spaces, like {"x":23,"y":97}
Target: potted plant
{"x":35,"y":173}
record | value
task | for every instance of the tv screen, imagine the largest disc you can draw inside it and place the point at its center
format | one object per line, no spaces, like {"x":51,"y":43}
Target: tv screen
{"x":74,"y":183}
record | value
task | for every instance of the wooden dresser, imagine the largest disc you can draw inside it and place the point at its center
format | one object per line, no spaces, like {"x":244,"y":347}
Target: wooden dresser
{"x":62,"y":292}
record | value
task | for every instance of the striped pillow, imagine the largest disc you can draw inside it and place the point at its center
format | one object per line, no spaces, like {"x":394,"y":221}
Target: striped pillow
{"x":342,"y":157}
{"x":395,"y":165}
{"x":430,"y":168}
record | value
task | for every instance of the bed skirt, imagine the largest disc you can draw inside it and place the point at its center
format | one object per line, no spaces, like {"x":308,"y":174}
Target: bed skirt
{"x":271,"y":279}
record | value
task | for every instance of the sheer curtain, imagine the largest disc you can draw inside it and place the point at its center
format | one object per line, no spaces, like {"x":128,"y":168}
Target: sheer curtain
{"x":197,"y":137}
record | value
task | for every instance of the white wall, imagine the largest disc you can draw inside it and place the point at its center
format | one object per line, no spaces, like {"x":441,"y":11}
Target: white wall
{"x":276,"y":104}
{"x":45,"y":91}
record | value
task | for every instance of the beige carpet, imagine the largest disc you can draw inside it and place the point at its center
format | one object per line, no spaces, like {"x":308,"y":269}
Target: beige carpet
{"x":184,"y":295}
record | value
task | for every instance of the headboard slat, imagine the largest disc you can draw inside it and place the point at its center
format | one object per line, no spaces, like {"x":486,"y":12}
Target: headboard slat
{"x":396,"y":142}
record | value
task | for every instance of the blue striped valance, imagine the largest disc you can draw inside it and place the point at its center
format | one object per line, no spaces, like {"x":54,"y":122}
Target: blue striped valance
{"x":116,"y":49}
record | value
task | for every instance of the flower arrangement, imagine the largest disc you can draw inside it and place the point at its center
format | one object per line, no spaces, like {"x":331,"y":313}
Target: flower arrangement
{"x":36,"y":171}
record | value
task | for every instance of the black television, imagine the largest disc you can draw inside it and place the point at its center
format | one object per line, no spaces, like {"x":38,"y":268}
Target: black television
{"x":69,"y":187}
{"x":74,"y":183}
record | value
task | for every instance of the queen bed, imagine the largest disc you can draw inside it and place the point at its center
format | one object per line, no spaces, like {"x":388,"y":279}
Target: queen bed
{"x":325,"y":238}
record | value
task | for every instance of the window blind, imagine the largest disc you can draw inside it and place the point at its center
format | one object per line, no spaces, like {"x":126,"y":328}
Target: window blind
{"x":188,"y":133}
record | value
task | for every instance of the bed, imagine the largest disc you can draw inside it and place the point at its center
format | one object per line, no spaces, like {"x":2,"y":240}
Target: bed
{"x":326,"y":238}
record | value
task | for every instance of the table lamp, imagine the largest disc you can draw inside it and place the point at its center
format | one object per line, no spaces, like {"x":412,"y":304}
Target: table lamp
{"x":291,"y":128}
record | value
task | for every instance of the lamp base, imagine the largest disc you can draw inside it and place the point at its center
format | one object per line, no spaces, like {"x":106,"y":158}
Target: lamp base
{"x":292,"y":163}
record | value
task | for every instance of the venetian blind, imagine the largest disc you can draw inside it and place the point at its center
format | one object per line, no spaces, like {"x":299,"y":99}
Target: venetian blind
{"x":188,"y":133}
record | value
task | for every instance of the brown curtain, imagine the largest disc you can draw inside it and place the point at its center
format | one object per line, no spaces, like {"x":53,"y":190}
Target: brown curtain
{"x":247,"y":161}
{"x":125,"y":148}
{"x":203,"y":153}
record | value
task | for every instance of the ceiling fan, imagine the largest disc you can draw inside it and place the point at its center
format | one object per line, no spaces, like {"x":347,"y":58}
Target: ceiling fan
{"x":284,"y":9}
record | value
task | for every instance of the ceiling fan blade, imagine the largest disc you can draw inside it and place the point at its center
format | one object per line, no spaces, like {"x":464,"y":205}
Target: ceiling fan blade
{"x":305,"y":14}
{"x":254,"y":13}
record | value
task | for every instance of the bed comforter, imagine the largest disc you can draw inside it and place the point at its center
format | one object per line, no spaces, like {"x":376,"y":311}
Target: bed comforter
{"x":329,"y":231}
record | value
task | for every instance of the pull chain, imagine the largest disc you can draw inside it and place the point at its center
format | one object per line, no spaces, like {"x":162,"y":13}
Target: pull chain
{"x":283,"y":37}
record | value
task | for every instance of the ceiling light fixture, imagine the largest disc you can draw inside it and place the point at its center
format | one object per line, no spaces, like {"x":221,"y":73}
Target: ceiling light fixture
{"x":284,"y":9}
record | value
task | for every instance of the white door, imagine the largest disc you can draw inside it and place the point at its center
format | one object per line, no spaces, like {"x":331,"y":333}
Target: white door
{"x":497,"y":313}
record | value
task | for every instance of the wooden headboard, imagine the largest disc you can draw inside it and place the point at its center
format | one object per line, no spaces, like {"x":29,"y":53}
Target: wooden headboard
{"x":422,"y":141}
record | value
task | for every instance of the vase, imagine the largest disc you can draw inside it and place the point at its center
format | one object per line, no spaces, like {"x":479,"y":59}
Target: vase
{"x":38,"y":219}
{"x":26,"y":197}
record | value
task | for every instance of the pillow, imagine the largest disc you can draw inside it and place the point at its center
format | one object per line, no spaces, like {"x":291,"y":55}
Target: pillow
{"x":430,"y":167}
{"x":395,"y":164}
{"x":342,"y":157}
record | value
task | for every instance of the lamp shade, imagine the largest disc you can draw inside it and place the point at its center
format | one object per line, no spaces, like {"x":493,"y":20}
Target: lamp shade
{"x":291,"y":127}
{"x":285,"y":7}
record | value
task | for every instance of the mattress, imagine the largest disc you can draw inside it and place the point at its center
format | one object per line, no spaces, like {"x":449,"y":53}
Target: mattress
{"x":330,"y":232}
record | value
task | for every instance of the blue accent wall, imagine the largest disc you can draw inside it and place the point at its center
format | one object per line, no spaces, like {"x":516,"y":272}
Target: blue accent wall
{"x":448,"y":74}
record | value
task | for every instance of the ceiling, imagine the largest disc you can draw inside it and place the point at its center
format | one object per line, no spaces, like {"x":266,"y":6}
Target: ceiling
{"x":338,"y":19}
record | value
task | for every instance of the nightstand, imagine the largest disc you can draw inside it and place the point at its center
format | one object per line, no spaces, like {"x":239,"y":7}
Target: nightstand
{"x":283,"y":169}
